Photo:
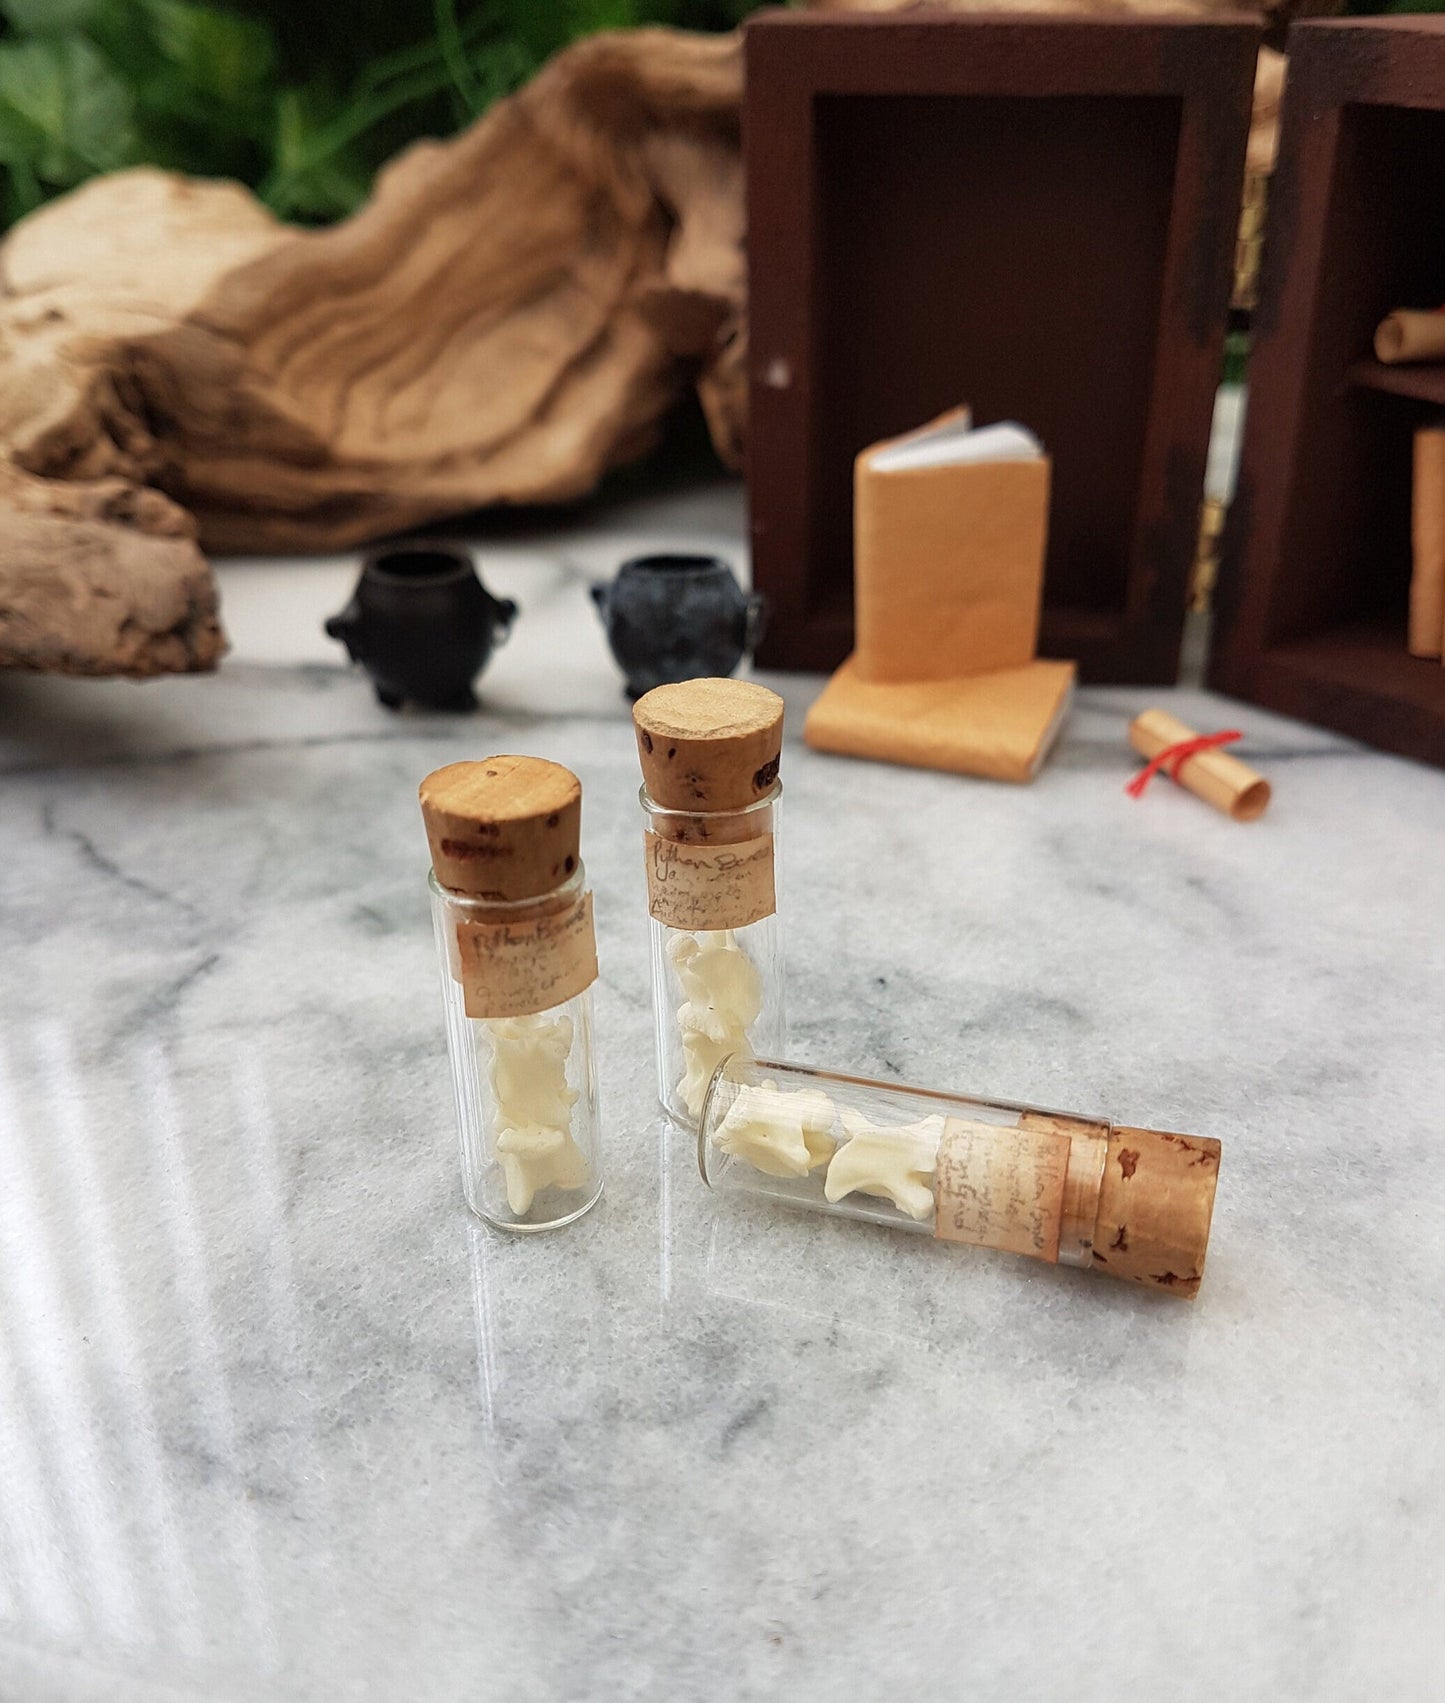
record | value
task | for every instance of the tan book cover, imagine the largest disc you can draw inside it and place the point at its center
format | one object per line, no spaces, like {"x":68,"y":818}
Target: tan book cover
{"x":950,"y":525}
{"x":999,"y":725}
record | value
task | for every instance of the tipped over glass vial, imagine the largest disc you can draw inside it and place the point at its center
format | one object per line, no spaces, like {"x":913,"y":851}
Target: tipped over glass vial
{"x":1130,"y":1203}
{"x":710,"y":803}
{"x":518,"y":956}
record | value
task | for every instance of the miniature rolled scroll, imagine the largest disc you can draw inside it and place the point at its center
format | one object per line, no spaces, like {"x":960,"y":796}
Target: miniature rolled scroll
{"x":1410,"y":335}
{"x":1427,"y":534}
{"x":1198,"y":766}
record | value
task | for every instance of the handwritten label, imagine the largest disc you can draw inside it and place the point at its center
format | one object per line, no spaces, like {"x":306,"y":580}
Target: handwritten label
{"x":712,"y":886}
{"x":513,"y":969}
{"x":1088,"y":1151}
{"x":1001,"y":1187}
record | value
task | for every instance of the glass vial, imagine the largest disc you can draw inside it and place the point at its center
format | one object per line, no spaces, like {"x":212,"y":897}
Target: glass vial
{"x":1130,"y":1203}
{"x":518,"y":955}
{"x":710,"y":805}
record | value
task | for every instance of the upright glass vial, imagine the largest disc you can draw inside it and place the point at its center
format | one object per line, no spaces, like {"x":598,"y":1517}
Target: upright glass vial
{"x":1130,"y":1203}
{"x":518,"y":954}
{"x":710,"y":797}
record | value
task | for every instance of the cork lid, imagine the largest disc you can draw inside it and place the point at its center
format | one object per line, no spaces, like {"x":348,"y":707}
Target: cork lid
{"x":1155,"y":1205}
{"x":709,"y":744}
{"x":505,"y":828}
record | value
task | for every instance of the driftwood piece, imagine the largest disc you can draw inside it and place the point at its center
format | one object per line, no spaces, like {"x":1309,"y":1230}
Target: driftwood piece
{"x":100,"y":574}
{"x":102,"y":577}
{"x":512,"y":313}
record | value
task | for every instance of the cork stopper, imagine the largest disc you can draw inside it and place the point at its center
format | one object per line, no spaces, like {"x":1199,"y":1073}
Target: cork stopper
{"x":506,"y":828}
{"x":1155,"y":1205}
{"x":709,"y":744}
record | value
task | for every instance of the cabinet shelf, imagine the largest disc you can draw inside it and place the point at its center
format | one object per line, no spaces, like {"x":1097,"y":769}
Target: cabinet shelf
{"x":1315,"y":569}
{"x":1361,"y":672}
{"x":1423,"y":383}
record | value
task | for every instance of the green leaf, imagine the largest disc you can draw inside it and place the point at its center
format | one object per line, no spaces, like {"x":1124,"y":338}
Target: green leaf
{"x":65,"y":106}
{"x":222,"y":56}
{"x":301,"y":100}
{"x":122,"y":32}
{"x":20,"y":141}
{"x":46,"y":17}
{"x":315,"y":175}
{"x":23,"y":190}
{"x":499,"y":68}
{"x":586,"y":17}
{"x":1236,"y":357}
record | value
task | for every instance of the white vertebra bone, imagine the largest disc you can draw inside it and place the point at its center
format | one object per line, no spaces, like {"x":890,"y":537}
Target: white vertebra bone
{"x":785,"y":1135}
{"x":722,"y":995}
{"x":533,"y":1121}
{"x":895,"y":1164}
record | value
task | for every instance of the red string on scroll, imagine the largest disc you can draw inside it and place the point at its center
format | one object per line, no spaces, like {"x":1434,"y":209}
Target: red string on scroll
{"x":1172,"y":756}
{"x":1197,"y":762}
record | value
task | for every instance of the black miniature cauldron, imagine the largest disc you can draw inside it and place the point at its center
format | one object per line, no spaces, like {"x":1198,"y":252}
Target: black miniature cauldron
{"x":422,"y":625}
{"x":672,"y":618}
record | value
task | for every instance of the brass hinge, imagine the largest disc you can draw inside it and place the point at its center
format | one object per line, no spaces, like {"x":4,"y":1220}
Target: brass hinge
{"x":1205,"y":571}
{"x":1249,"y":243}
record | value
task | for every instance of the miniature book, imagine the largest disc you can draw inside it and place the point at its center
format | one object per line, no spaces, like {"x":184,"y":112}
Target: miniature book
{"x":950,"y":524}
{"x":1000,"y":724}
{"x":950,"y":528}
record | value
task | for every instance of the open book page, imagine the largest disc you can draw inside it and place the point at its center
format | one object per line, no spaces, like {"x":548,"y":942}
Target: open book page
{"x":957,"y":443}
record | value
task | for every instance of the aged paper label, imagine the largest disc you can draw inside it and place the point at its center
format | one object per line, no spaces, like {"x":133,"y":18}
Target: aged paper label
{"x":1088,"y":1151}
{"x":710,"y":887}
{"x":1001,"y":1187}
{"x":512,"y":969}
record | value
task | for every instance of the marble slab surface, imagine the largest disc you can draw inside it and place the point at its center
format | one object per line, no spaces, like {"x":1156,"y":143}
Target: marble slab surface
{"x":279,"y":1421}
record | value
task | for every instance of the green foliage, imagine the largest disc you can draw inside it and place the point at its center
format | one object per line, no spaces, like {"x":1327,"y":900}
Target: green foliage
{"x":1236,"y":357}
{"x":63,"y":112}
{"x":301,"y":99}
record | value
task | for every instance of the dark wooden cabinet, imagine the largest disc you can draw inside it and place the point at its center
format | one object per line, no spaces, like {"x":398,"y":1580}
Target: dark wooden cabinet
{"x":1315,"y":567}
{"x":1035,"y":216}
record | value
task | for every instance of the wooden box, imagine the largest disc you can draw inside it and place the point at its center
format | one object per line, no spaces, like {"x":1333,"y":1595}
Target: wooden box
{"x":1035,"y":216}
{"x":1315,"y":568}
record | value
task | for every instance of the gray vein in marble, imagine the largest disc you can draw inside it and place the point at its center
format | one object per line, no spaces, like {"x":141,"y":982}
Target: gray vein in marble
{"x":280,"y":1422}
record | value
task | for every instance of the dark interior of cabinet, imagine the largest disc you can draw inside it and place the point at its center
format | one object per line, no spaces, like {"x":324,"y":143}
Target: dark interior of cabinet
{"x":1008,"y":253}
{"x":1339,"y":599}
